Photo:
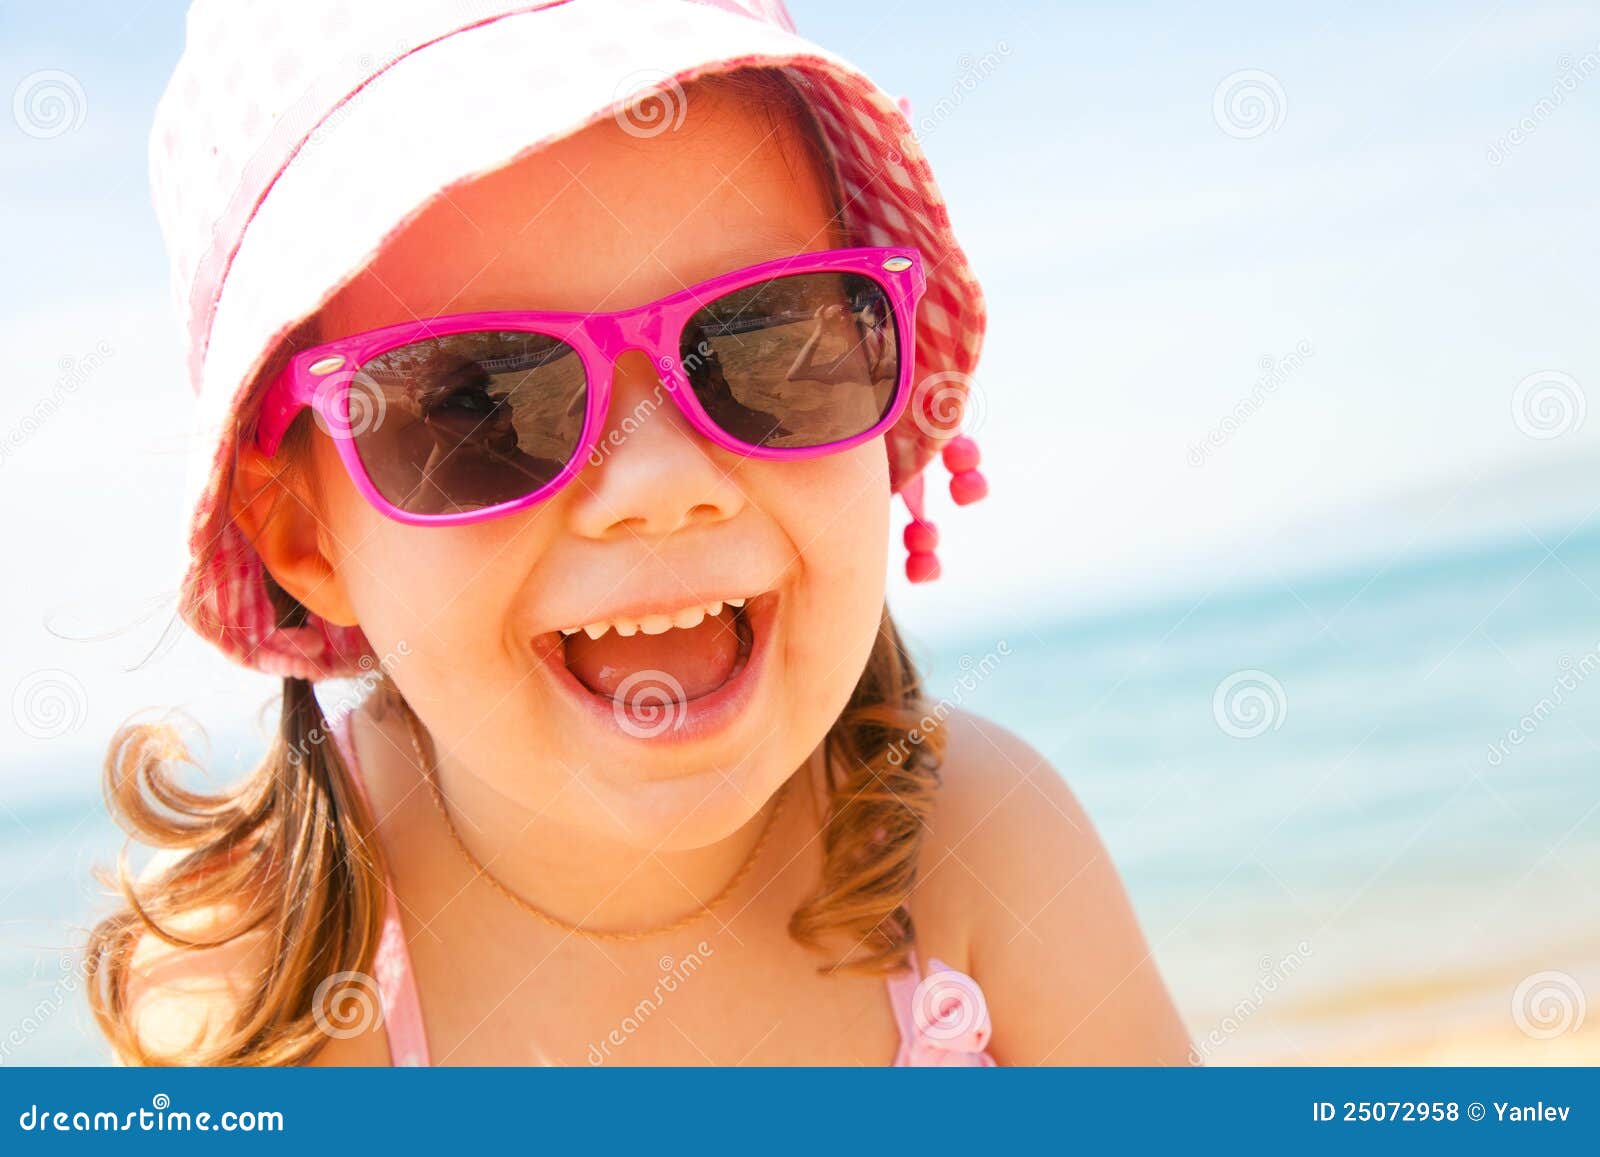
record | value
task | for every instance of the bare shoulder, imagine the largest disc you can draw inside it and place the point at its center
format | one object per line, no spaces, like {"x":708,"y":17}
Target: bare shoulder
{"x":1014,"y":873}
{"x":183,"y":1001}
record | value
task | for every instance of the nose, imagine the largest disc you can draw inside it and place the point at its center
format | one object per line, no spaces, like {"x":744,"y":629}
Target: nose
{"x":651,"y":474}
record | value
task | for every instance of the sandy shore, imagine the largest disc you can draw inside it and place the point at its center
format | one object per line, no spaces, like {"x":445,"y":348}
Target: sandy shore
{"x":1509,"y":1013}
{"x":1484,"y":1044}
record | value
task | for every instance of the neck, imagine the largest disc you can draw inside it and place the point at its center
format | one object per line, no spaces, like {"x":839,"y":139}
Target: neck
{"x":594,"y":883}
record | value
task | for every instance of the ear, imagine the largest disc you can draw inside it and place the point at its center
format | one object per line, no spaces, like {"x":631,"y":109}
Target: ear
{"x":277,"y":509}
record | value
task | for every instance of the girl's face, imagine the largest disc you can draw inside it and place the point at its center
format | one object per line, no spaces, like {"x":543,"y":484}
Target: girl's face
{"x":717,"y":715}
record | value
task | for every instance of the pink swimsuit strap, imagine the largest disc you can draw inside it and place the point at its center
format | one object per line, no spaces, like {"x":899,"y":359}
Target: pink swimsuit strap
{"x":942,"y":1017}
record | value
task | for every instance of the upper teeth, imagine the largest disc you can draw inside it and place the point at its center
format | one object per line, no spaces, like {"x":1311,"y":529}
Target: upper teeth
{"x":654,"y":624}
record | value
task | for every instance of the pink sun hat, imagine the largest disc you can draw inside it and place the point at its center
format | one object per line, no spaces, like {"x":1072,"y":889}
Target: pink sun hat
{"x":278,"y":113}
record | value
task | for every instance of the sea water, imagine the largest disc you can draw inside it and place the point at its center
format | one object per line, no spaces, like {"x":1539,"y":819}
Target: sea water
{"x":1348,"y":804}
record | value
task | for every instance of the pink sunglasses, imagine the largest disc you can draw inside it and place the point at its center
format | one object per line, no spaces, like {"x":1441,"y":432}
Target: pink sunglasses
{"x":475,"y":415}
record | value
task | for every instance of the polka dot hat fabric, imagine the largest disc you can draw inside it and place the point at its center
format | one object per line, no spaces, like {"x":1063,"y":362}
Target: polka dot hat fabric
{"x":278,"y":109}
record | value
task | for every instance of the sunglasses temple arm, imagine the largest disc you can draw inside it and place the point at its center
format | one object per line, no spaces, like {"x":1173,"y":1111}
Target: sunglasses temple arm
{"x":278,"y":410}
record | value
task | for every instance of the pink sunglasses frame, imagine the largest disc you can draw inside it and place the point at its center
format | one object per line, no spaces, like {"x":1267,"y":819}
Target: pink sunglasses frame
{"x":599,"y":339}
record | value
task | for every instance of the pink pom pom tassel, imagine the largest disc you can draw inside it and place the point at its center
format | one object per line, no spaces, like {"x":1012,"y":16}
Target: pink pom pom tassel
{"x":967,"y":487}
{"x":921,"y":536}
{"x":961,"y":458}
{"x":961,"y":454}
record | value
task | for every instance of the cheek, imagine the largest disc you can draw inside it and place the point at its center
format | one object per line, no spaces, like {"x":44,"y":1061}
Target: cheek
{"x":838,"y":521}
{"x":432,"y":589}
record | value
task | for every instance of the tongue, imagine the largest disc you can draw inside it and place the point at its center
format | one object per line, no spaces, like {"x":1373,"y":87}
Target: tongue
{"x":681,"y":663}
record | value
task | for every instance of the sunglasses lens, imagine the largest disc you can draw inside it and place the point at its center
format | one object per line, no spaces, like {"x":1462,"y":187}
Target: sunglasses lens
{"x":468,"y":420}
{"x":803,"y":360}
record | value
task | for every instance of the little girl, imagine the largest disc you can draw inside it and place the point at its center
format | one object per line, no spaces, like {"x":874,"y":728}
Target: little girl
{"x":557,"y":363}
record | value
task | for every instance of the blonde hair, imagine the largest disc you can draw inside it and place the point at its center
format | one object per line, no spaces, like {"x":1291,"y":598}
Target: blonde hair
{"x":290,"y":854}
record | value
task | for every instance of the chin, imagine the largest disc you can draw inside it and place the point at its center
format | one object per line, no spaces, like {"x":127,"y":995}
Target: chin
{"x":698,"y":810}
{"x":695,"y":808}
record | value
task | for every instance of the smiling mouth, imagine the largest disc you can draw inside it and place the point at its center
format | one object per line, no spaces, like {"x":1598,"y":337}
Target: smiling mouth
{"x":664,"y":661}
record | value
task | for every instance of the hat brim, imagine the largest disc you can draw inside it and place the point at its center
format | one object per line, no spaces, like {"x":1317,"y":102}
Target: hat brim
{"x":482,"y":98}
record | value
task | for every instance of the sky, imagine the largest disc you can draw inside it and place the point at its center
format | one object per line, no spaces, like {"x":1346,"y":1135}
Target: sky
{"x":1273,"y":289}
